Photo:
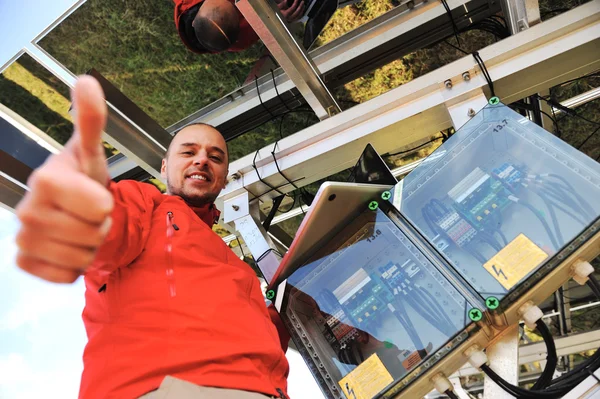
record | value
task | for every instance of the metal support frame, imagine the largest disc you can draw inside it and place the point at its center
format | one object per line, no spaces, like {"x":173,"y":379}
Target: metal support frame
{"x":11,"y":192}
{"x":504,"y":357}
{"x":521,"y":14}
{"x":244,"y":217}
{"x":521,"y":65}
{"x":269,"y":25}
{"x":372,"y":45}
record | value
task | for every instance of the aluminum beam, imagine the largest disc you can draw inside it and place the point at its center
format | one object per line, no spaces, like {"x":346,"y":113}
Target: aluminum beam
{"x":523,"y":64}
{"x":129,"y":129}
{"x":269,"y":25}
{"x":11,"y":192}
{"x":374,"y":44}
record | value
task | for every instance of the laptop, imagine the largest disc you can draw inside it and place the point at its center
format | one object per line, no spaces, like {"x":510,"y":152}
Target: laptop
{"x":335,"y":204}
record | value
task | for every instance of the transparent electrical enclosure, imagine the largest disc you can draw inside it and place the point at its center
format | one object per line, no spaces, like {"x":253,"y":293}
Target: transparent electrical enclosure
{"x":500,"y":199}
{"x":369,"y":307}
{"x":401,"y":285}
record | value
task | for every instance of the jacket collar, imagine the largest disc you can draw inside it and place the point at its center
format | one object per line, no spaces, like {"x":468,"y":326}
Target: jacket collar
{"x":208,"y":213}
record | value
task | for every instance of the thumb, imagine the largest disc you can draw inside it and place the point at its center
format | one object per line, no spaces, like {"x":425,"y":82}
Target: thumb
{"x":90,"y":119}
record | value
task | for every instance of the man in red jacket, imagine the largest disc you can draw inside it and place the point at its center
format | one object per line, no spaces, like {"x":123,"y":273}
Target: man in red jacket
{"x":170,"y":311}
{"x":213,"y":26}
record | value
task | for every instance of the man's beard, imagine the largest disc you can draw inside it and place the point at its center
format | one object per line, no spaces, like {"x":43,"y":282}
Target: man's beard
{"x":193,"y":200}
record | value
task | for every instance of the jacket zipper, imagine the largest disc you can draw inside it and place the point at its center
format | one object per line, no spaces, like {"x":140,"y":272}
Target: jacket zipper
{"x":170,"y":270}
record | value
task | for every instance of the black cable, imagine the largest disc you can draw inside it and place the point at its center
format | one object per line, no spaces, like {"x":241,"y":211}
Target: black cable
{"x":589,"y":75}
{"x":485,"y":72}
{"x":558,"y":194}
{"x":454,"y":27}
{"x":260,"y":98}
{"x":542,"y":220}
{"x":260,"y":178}
{"x":415,"y":148}
{"x":572,"y":191}
{"x":277,"y":91}
{"x":587,"y":138}
{"x":551,"y":356}
{"x":268,"y":251}
{"x":542,"y":195}
{"x":456,"y":47}
{"x":451,"y":394}
{"x":594,"y":285}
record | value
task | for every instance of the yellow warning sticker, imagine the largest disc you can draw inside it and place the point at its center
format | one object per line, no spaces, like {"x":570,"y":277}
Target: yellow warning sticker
{"x":367,"y":380}
{"x":515,"y":261}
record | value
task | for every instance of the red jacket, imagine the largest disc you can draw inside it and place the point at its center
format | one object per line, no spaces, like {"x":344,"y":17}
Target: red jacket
{"x":166,"y":296}
{"x":246,"y":38}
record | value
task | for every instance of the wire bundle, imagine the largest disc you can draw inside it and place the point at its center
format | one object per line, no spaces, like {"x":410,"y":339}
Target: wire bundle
{"x":545,"y":387}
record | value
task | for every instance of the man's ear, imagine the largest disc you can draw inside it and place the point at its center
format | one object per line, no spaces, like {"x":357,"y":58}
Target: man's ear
{"x":225,"y":180}
{"x":163,"y":169}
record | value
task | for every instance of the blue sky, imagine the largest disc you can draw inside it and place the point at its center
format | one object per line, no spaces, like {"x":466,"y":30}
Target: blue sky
{"x":42,"y":335}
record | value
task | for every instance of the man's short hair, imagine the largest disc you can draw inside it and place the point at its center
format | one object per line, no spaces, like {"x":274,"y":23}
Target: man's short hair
{"x":216,"y":29}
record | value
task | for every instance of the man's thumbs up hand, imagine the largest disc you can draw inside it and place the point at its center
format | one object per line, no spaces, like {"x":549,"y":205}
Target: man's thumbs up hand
{"x":66,"y":214}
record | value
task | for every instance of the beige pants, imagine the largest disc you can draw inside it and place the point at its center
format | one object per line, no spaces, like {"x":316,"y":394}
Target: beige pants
{"x":174,"y":388}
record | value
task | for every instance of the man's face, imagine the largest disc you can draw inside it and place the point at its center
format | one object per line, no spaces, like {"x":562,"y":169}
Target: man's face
{"x":196,"y":166}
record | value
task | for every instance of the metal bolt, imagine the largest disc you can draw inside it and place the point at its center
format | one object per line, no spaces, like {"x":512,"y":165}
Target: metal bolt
{"x":235,"y":207}
{"x":235,"y":176}
{"x":471,"y":112}
{"x":466,"y":76}
{"x":448,"y":84}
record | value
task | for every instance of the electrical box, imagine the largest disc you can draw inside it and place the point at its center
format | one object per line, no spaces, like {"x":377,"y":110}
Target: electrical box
{"x":402,"y":284}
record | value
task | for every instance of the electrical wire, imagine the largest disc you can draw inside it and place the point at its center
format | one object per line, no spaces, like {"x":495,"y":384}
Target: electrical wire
{"x":551,"y":356}
{"x":415,"y":148}
{"x":485,"y":72}
{"x":587,"y":138}
{"x":584,"y":204}
{"x":449,"y":13}
{"x":542,"y":220}
{"x":451,"y":394}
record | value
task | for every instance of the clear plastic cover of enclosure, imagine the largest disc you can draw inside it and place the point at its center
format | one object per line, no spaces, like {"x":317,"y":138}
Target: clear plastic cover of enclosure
{"x":500,"y":198}
{"x":369,"y":307}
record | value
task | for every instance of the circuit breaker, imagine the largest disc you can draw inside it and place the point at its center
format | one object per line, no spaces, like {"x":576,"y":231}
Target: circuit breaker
{"x":404,"y":282}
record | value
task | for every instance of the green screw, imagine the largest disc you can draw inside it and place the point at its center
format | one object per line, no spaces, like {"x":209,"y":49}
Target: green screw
{"x":492,"y":302}
{"x":475,"y":314}
{"x":373,"y":205}
{"x":386,"y":195}
{"x":270,"y":294}
{"x":494,"y":100}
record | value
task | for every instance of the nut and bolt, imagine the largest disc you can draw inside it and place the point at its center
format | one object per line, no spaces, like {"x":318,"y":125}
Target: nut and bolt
{"x":466,"y":76}
{"x":235,"y":176}
{"x":235,"y":207}
{"x":471,"y":112}
{"x":448,"y":84}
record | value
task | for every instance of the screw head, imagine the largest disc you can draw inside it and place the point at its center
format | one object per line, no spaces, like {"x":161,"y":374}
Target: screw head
{"x":235,"y":207}
{"x":235,"y":176}
{"x":494,"y":101}
{"x":475,"y":314}
{"x":448,"y":84}
{"x":373,"y":205}
{"x":471,"y":112}
{"x":386,"y":195}
{"x":270,"y":294}
{"x":466,"y":76}
{"x":492,"y":302}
